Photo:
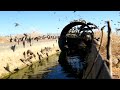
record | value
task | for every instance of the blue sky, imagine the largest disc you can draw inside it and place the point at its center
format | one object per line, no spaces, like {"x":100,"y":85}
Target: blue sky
{"x":50,"y":21}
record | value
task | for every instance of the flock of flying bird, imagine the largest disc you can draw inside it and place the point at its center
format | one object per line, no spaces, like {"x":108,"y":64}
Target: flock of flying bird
{"x":100,"y":22}
{"x":17,"y":24}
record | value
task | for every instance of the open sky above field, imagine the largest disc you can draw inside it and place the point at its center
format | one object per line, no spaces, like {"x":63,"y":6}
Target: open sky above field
{"x":51,"y":21}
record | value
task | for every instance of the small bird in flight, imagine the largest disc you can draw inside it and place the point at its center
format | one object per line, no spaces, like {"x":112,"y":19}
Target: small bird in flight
{"x":54,"y":12}
{"x":16,"y":24}
{"x":59,"y":19}
{"x":74,"y":11}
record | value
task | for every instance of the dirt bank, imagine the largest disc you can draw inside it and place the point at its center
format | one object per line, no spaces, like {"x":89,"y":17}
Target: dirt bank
{"x":11,"y":61}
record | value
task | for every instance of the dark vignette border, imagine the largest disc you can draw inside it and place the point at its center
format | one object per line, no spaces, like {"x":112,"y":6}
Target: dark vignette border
{"x":84,"y":5}
{"x":59,"y":5}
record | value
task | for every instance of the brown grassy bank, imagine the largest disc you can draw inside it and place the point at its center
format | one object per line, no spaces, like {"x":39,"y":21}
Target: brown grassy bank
{"x":13,"y":58}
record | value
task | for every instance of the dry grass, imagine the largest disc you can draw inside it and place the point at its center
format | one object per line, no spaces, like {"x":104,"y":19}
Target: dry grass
{"x":4,"y":40}
{"x":13,"y":58}
{"x":115,"y":44}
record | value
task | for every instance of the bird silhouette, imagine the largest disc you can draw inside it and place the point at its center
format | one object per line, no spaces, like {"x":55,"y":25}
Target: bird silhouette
{"x":7,"y":68}
{"x":54,"y":12}
{"x":16,"y":69}
{"x":65,"y":17}
{"x":22,"y":60}
{"x":74,"y":11}
{"x":16,"y":24}
{"x":59,"y":19}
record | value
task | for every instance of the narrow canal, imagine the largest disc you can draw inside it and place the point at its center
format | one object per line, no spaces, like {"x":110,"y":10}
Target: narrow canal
{"x":48,"y":68}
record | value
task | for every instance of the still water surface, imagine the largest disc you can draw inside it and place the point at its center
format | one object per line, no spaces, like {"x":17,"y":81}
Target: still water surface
{"x":46,"y":69}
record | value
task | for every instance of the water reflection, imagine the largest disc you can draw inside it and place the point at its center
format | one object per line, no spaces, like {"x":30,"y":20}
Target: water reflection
{"x":74,"y":66}
{"x":57,"y":72}
{"x":36,"y":70}
{"x":54,"y":67}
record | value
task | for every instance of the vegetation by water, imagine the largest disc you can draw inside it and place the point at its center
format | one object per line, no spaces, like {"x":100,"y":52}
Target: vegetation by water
{"x":36,"y":70}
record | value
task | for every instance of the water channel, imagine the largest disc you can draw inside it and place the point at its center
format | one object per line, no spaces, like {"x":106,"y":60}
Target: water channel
{"x":48,"y":68}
